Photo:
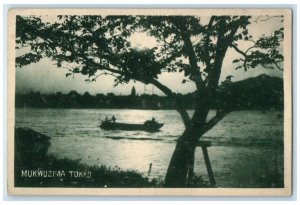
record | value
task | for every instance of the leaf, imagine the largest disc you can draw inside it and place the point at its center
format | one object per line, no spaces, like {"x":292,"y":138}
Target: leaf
{"x":245,"y":32}
{"x":76,"y":70}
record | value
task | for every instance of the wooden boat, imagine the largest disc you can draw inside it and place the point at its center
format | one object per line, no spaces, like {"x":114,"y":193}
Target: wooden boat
{"x":148,"y":126}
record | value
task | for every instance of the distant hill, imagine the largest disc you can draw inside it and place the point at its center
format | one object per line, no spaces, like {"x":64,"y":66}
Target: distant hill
{"x":261,"y":92}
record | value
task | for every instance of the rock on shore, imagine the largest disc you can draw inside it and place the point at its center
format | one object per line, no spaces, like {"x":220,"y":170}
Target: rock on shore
{"x":30,"y":146}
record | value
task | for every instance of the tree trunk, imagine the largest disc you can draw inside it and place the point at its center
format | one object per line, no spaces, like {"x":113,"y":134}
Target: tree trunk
{"x":191,"y":158}
{"x":180,"y":161}
{"x":181,"y":164}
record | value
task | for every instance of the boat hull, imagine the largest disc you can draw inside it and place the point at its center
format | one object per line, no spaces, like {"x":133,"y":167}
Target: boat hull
{"x":130,"y":127}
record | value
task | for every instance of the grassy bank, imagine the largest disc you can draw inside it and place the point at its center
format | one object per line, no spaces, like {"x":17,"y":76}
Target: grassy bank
{"x":48,"y":173}
{"x":70,"y":173}
{"x":35,"y":168}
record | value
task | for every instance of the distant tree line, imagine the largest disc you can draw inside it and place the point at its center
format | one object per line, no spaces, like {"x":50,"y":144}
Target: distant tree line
{"x":263,"y":92}
{"x":109,"y":101}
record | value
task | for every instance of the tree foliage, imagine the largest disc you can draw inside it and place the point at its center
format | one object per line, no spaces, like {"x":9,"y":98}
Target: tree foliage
{"x":96,"y":44}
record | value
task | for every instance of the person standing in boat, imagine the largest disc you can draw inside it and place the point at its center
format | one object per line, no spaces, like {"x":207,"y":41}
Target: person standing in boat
{"x":113,"y":119}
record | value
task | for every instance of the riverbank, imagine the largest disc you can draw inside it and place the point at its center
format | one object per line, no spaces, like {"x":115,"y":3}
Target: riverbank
{"x":35,"y":168}
{"x":53,"y":172}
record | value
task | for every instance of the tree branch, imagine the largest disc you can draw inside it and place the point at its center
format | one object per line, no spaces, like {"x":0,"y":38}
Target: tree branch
{"x":207,"y":58}
{"x":237,"y":49}
{"x":97,"y":76}
{"x":266,"y":19}
{"x":245,"y":56}
{"x":277,"y":66}
{"x":242,"y":53}
{"x":101,"y":67}
{"x":212,"y":122}
{"x":250,"y":49}
{"x":193,"y":62}
{"x":183,"y":113}
{"x":162,"y":87}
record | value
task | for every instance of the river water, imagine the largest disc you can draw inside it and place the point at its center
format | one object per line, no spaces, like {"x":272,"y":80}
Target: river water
{"x":246,"y":146}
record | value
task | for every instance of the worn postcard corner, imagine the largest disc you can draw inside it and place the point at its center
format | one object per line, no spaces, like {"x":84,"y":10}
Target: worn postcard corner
{"x":185,"y":102}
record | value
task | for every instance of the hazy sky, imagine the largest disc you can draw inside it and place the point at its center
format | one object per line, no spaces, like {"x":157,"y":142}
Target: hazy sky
{"x":46,"y":77}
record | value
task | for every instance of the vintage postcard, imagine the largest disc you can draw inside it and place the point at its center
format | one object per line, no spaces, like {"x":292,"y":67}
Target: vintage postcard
{"x":190,"y":102}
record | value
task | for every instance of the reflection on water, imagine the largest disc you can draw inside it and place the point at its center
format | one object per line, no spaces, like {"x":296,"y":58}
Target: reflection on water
{"x":246,"y":152}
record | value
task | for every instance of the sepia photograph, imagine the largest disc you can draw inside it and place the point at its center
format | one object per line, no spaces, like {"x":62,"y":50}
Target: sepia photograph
{"x":150,"y":102}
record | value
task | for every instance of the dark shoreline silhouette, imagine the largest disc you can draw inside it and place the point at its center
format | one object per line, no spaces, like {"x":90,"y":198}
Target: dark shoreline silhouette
{"x":262,"y":92}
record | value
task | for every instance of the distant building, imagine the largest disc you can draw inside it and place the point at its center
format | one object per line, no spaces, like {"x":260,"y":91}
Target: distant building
{"x":133,"y":92}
